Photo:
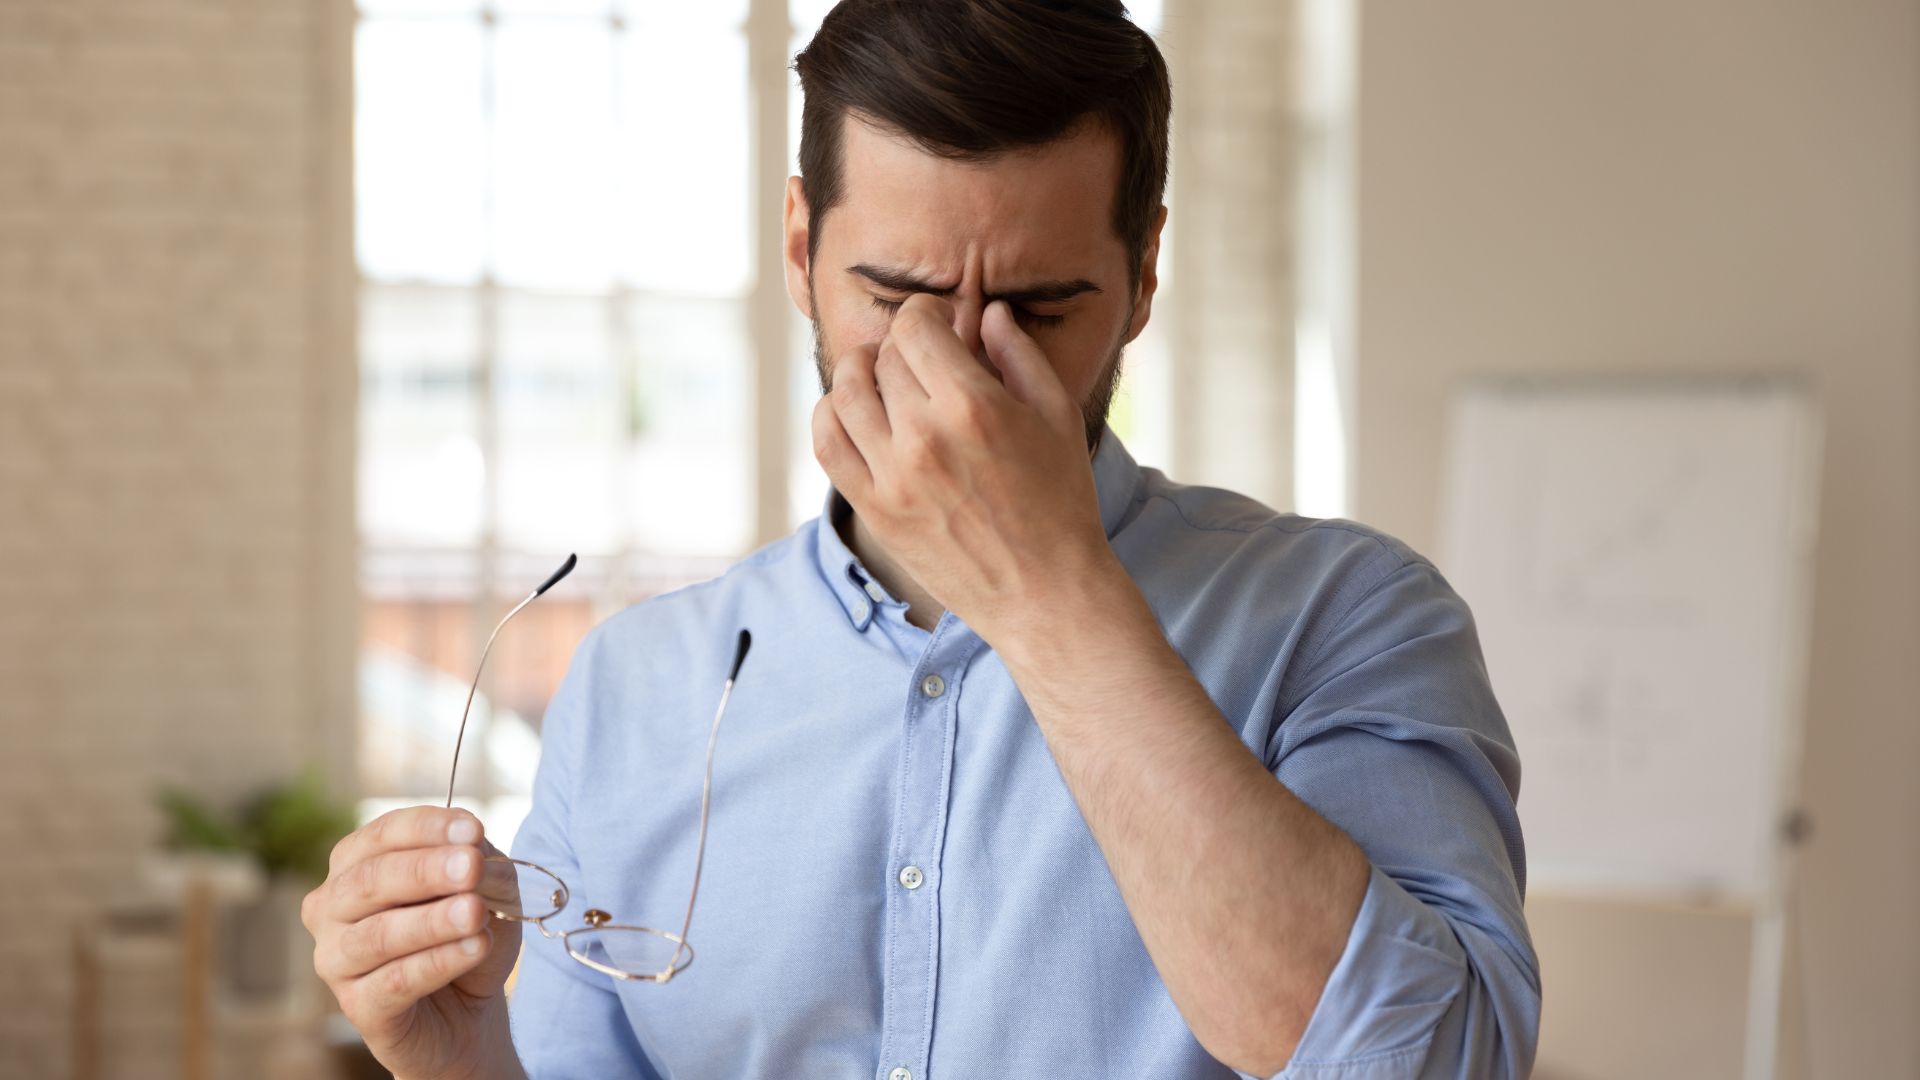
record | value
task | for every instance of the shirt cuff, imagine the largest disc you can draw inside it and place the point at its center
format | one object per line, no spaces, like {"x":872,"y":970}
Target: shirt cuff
{"x":1400,"y":972}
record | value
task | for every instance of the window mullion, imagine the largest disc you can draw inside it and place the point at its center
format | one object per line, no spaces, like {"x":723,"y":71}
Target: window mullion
{"x":487,"y":555}
{"x":768,"y":29}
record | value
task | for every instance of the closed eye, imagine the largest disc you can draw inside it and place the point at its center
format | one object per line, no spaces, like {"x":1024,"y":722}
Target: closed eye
{"x":1030,"y":318}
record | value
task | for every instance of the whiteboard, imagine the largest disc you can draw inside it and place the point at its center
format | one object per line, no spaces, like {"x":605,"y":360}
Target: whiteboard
{"x":1637,"y":556}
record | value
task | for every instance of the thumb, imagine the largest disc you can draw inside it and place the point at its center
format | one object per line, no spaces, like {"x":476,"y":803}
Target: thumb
{"x":1023,"y":366}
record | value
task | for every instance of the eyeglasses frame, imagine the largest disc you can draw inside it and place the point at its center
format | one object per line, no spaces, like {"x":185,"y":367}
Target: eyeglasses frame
{"x":596,"y":919}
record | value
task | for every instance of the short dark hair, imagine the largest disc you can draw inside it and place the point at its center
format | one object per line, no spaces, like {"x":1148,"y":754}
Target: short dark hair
{"x":971,"y":79}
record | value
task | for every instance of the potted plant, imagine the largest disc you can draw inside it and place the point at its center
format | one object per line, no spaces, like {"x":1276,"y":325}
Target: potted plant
{"x":287,"y":831}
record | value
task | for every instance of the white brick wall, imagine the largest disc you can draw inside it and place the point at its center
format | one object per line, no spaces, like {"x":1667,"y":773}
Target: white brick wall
{"x":176,"y":381}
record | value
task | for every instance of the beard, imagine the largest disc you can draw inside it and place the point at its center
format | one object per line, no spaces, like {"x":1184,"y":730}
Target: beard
{"x":1093,"y":409}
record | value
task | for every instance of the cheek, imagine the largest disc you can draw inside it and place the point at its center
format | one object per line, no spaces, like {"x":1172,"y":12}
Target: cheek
{"x":1079,"y":355}
{"x":854,"y":320}
{"x":843,"y":325}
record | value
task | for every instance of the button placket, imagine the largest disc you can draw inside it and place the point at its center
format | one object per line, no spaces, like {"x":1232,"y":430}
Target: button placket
{"x":914,"y":910}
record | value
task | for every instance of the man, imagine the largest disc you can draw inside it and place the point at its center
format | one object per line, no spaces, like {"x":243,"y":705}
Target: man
{"x":1043,"y":764}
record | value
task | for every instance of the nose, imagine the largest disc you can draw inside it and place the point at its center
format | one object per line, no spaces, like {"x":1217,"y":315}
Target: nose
{"x":967,"y":313}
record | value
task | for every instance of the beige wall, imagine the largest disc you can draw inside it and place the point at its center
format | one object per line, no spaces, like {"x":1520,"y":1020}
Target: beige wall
{"x":176,"y":521}
{"x":1681,"y":186}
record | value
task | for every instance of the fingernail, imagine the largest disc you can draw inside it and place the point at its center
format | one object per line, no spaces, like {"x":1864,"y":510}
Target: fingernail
{"x":457,"y":864}
{"x":471,"y":946}
{"x":467,"y":916}
{"x":464,"y":830}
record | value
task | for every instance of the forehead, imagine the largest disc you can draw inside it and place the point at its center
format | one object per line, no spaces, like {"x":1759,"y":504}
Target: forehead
{"x":1028,"y":210}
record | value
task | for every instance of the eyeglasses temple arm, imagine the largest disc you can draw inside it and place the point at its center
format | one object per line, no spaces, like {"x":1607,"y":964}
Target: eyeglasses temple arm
{"x":706,"y":790}
{"x":453,"y":773}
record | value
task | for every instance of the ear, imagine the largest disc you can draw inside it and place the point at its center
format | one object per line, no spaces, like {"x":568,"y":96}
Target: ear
{"x":1149,"y":278}
{"x":796,"y":222}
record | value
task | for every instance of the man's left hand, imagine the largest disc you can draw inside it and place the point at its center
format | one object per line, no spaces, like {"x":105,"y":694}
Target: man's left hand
{"x":979,"y":488}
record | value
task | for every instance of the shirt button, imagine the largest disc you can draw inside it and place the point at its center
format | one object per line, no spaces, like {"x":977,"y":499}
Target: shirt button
{"x":933,"y":686}
{"x":910,"y":877}
{"x":874,"y":590}
{"x":901,"y":1073}
{"x":859,"y":610}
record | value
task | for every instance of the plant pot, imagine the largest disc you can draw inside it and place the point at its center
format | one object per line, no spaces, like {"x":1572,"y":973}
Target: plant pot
{"x":258,"y":940}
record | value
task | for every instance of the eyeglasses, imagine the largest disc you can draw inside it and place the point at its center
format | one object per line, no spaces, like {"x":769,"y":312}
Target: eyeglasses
{"x":519,"y":891}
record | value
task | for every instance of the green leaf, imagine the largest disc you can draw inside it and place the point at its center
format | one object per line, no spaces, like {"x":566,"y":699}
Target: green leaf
{"x":193,"y":826}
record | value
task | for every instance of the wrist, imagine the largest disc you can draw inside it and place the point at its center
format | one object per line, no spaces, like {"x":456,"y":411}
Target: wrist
{"x":1090,"y":609}
{"x":502,"y":1061}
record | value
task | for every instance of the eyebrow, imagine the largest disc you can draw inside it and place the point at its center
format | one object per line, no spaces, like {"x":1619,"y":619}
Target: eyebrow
{"x":1039,"y":292}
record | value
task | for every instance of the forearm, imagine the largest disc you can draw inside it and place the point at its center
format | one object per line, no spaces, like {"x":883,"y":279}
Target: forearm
{"x":1242,"y":894}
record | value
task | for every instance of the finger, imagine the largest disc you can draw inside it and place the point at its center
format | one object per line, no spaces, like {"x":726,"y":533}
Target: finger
{"x":1023,"y":365}
{"x":923,"y":331}
{"x":384,"y":994}
{"x":407,"y":827}
{"x":837,"y":454}
{"x":393,"y":878}
{"x":855,"y":399}
{"x":397,"y":932}
{"x":899,"y":388}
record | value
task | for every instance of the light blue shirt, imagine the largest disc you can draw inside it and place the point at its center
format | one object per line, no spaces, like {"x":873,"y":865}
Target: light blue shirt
{"x":1340,"y":656}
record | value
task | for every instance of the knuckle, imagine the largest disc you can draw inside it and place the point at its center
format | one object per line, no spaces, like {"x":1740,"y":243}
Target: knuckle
{"x":444,"y":960}
{"x":338,"y":855}
{"x":328,"y":960}
{"x":420,"y":869}
{"x":844,"y":392}
{"x":320,"y":965}
{"x":367,"y":942}
{"x":395,"y":980}
{"x":363,"y":881}
{"x":335,"y":955}
{"x":439,"y":922}
{"x":912,"y":319}
{"x":916,"y":449}
{"x":380,"y":830}
{"x":858,"y":358}
{"x":971,"y":414}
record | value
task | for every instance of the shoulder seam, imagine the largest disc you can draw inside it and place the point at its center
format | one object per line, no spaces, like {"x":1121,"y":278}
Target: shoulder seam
{"x":1277,"y":523}
{"x":1339,"y":623}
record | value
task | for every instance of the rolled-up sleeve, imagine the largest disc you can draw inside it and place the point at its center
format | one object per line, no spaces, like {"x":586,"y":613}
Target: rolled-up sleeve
{"x":1391,"y":732}
{"x":566,"y":1018}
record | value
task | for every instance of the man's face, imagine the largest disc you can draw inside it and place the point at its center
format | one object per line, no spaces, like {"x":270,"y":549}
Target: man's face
{"x":1031,"y":226}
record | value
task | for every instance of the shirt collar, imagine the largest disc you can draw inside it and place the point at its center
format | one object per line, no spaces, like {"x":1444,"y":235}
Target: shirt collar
{"x":1115,"y":476}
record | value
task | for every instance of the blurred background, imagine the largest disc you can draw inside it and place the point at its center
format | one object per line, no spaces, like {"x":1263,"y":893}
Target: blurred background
{"x":327,"y":330}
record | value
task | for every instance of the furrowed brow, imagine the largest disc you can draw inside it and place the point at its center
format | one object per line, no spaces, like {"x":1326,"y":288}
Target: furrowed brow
{"x":901,"y":280}
{"x":1046,"y":292}
{"x":1039,"y":292}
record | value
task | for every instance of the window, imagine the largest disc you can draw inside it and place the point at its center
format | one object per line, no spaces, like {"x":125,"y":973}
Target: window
{"x":556,"y":238}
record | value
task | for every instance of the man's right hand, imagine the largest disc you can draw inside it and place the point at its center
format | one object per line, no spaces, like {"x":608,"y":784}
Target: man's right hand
{"x":404,"y":941}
